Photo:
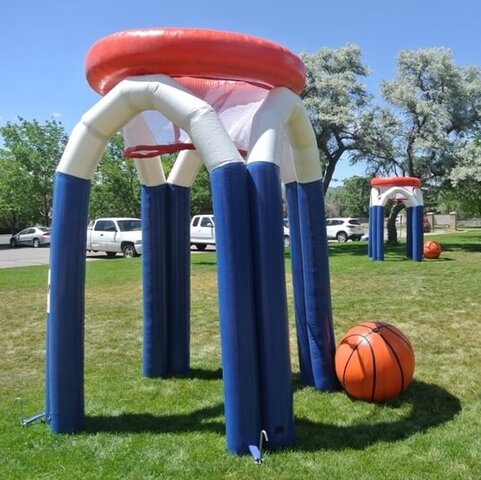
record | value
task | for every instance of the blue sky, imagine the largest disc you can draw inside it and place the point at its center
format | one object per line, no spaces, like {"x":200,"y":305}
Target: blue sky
{"x":43,"y":43}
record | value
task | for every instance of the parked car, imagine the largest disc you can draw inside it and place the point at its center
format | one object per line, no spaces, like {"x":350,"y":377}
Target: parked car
{"x":344,"y":229}
{"x":32,"y":236}
{"x":115,"y":235}
{"x":287,"y":236}
{"x":202,"y":231}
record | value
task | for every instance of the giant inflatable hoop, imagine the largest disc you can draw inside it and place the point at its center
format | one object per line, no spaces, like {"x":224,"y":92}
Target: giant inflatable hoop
{"x":180,"y":52}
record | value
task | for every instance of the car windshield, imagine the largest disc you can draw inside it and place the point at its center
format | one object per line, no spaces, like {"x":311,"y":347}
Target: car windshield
{"x":44,"y":229}
{"x":354,"y":221}
{"x":129,"y":225}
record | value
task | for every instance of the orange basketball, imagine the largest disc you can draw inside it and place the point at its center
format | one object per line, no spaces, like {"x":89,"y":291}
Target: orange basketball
{"x":431,"y":249}
{"x":374,"y":362}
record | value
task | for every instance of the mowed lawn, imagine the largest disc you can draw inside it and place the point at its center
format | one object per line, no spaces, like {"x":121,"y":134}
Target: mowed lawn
{"x":174,"y":428}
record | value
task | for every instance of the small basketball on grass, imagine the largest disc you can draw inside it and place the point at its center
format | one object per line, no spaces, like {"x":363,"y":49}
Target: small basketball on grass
{"x":374,"y":362}
{"x":431,"y":249}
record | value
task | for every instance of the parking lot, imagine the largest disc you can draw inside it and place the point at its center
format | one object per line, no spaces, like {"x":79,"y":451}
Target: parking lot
{"x":27,"y":256}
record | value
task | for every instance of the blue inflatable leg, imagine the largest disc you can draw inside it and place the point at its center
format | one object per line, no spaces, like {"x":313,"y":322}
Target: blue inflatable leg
{"x":317,"y":284}
{"x":370,"y":235}
{"x":409,"y":232}
{"x":305,"y":365}
{"x":154,"y":204}
{"x":178,"y":283}
{"x":236,"y":306}
{"x":418,"y":235}
{"x":65,"y":312}
{"x":379,"y":212}
{"x":271,"y":304}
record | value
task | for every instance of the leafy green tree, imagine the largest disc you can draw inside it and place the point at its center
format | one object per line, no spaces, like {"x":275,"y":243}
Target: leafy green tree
{"x":36,"y":149}
{"x":431,"y":109}
{"x":354,"y":197}
{"x":466,"y":180}
{"x":200,"y":192}
{"x":201,"y":196}
{"x":115,"y":187}
{"x":16,"y":188}
{"x":337,"y":103}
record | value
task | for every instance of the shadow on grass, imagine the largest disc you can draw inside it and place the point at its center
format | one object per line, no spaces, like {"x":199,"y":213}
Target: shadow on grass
{"x":430,"y":406}
{"x":335,"y":248}
{"x":202,"y":374}
{"x":348,"y":248}
{"x":204,"y":419}
{"x":460,"y":247}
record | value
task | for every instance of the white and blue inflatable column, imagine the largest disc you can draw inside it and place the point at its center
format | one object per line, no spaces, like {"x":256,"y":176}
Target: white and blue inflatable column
{"x":376,"y":225}
{"x":417,"y":217}
{"x":284,"y":116}
{"x":64,"y":409}
{"x":178,"y":286}
{"x":317,"y":290}
{"x":240,"y":366}
{"x":270,"y":298}
{"x":409,"y":232}
{"x":372,"y":237}
{"x":378,"y":211}
{"x":180,"y":180}
{"x":154,"y":212}
{"x":304,"y":353}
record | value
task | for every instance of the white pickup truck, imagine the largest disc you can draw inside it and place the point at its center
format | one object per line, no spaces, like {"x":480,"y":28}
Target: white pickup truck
{"x":202,"y":231}
{"x":115,"y":235}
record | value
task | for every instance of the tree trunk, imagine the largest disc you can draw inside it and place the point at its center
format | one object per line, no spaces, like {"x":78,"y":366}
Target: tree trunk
{"x":391,"y":224}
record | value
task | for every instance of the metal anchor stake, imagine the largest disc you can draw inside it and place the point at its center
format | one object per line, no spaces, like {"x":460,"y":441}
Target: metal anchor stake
{"x":25,"y":421}
{"x":256,"y":452}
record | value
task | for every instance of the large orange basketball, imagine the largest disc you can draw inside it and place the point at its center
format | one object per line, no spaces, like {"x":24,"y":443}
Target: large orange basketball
{"x":374,"y":362}
{"x":431,"y":249}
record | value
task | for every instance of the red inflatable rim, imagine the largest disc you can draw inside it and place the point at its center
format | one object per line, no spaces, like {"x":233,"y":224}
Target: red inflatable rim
{"x":396,"y":182}
{"x":192,"y":52}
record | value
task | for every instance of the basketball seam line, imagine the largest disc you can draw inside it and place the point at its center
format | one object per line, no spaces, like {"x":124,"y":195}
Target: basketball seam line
{"x":373,"y":368}
{"x":399,"y":336}
{"x":397,"y":359}
{"x":347,"y":364}
{"x":373,"y":360}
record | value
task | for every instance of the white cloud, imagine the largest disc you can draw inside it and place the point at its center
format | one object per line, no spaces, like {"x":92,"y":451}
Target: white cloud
{"x":56,"y":114}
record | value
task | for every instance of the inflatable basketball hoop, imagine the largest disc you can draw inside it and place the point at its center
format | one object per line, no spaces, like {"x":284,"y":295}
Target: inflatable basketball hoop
{"x":231,"y":102}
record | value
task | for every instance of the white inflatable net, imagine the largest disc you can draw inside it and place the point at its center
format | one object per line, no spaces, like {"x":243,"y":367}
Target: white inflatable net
{"x":150,"y":134}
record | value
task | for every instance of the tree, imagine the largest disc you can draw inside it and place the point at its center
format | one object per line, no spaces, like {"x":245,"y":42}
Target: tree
{"x":16,"y":188}
{"x":35,"y":149}
{"x":432,"y":108}
{"x":466,"y":180}
{"x":354,"y":197}
{"x":337,"y":103}
{"x":201,"y":196}
{"x":115,"y":187}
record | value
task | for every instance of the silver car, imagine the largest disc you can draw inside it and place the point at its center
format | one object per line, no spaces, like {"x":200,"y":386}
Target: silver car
{"x":32,"y":236}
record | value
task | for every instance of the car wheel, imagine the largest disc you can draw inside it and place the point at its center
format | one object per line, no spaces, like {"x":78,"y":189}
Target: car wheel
{"x":287,"y":241}
{"x":13,"y":243}
{"x":111,"y":254}
{"x":36,"y":243}
{"x":341,"y":237}
{"x":201,"y":246}
{"x":128,"y":250}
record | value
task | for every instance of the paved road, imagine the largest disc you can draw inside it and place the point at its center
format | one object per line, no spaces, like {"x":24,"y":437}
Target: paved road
{"x":27,"y":256}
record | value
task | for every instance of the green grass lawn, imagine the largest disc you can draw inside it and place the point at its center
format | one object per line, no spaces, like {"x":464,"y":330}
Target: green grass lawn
{"x":144,"y":428}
